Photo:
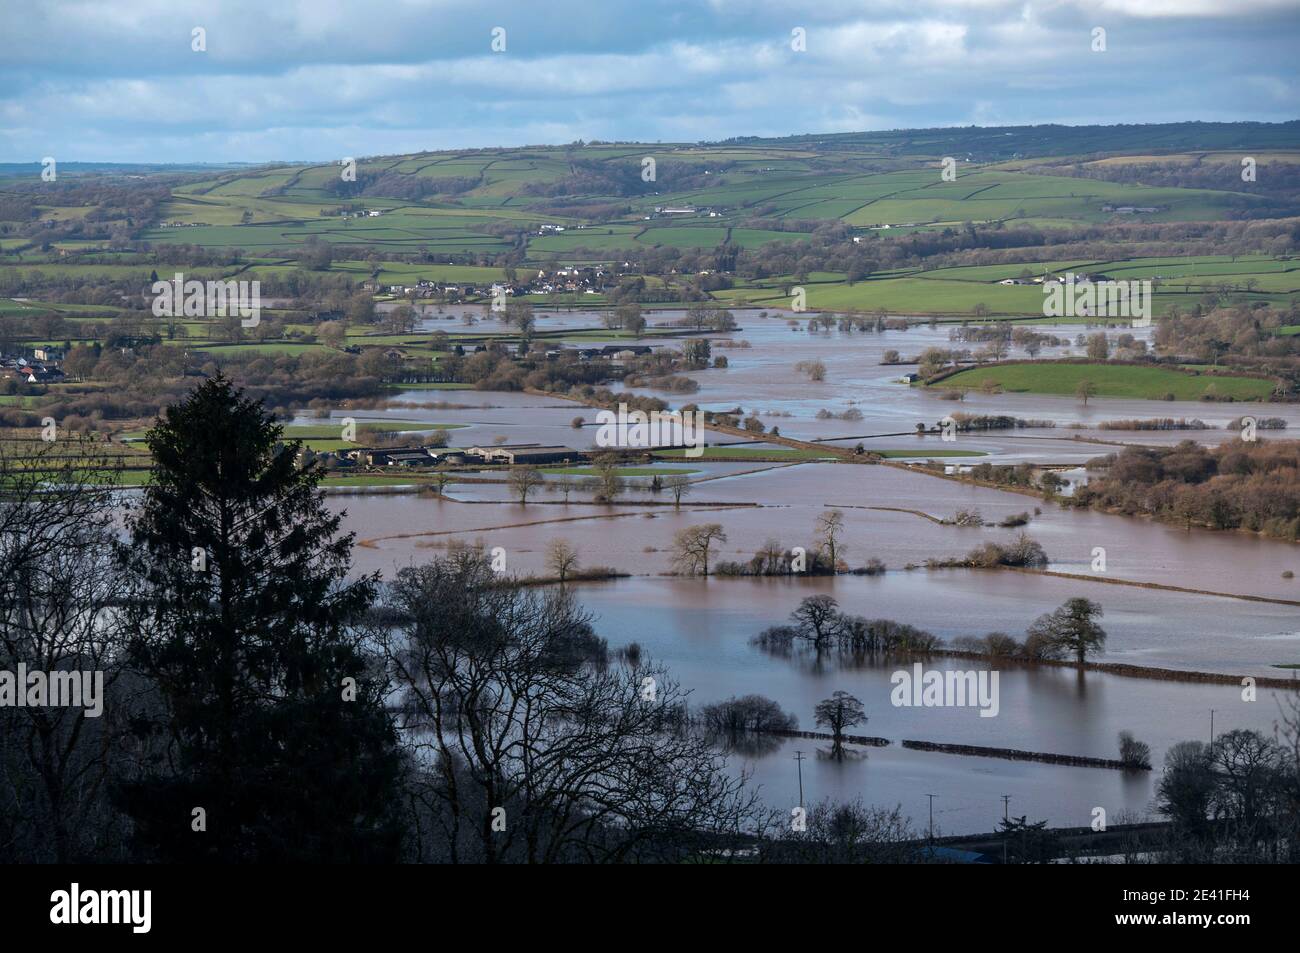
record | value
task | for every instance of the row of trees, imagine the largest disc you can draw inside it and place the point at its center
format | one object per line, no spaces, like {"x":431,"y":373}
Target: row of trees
{"x":1240,"y":484}
{"x":603,"y":484}
{"x":695,"y":546}
{"x":1070,"y":630}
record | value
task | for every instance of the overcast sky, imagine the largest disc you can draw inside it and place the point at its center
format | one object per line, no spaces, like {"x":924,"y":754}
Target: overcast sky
{"x":322,"y":79}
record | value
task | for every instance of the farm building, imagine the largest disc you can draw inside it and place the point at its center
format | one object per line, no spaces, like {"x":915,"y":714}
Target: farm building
{"x":530,"y":453}
{"x":391,"y":456}
{"x":452,"y":455}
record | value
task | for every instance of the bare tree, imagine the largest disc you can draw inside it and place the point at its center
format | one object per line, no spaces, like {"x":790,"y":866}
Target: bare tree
{"x":818,"y":616}
{"x":606,"y":485}
{"x":561,"y":558}
{"x":693,"y":545}
{"x":839,"y":712}
{"x":564,"y":484}
{"x":679,"y":486}
{"x":523,"y":482}
{"x":59,"y":585}
{"x":845,"y":834}
{"x":830,"y":526}
{"x":536,"y":754}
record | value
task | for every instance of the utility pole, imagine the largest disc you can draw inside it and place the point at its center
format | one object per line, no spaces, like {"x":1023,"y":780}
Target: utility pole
{"x":1006,"y":808}
{"x":932,"y":797}
{"x":798,"y":757}
{"x":1211,"y":727}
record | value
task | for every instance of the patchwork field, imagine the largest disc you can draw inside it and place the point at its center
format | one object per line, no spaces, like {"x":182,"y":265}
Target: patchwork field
{"x":1111,"y":380}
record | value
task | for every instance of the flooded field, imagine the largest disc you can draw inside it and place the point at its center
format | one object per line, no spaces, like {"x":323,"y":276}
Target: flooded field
{"x":635,"y":535}
{"x":702,"y":630}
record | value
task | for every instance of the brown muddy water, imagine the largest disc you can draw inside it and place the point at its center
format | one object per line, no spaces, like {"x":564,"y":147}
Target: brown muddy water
{"x":638,"y":538}
{"x":701,"y":630}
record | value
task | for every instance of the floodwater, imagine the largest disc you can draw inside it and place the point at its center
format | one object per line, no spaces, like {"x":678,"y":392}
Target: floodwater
{"x":635,"y":534}
{"x":701,"y":629}
{"x":762,"y":378}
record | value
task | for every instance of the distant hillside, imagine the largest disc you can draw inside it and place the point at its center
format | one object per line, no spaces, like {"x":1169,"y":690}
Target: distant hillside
{"x":998,"y":143}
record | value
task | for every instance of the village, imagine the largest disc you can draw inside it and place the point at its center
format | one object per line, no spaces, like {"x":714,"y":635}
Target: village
{"x":40,"y":365}
{"x":562,"y":280}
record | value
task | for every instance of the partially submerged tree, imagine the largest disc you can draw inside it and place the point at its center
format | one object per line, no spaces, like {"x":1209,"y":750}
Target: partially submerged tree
{"x":840,"y":712}
{"x":524,"y":481}
{"x":679,"y":486}
{"x":1070,"y":629}
{"x":564,"y":484}
{"x":818,"y":616}
{"x":693,"y":545}
{"x":561,"y":558}
{"x":830,"y":526}
{"x":606,"y":485}
{"x":749,"y":713}
{"x":1134,"y":753}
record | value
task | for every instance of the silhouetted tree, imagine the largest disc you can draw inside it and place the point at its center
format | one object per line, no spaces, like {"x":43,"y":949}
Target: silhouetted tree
{"x":269,"y":716}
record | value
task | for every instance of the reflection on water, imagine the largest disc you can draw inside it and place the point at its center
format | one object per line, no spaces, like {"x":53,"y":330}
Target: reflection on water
{"x":702,"y":632}
{"x":639,"y":539}
{"x":702,"y":629}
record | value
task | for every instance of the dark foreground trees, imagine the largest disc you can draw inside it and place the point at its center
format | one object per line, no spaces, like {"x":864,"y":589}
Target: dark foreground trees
{"x":267,"y":738}
{"x":58,"y":587}
{"x":537,"y":750}
{"x":1238,"y":799}
{"x":848,"y":833}
{"x":253,"y":688}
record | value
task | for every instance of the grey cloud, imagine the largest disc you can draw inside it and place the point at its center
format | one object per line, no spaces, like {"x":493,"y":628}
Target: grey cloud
{"x":118,"y":81}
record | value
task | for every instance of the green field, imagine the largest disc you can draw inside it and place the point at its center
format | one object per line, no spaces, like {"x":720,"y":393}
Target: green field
{"x":448,"y":216}
{"x":333,"y":431}
{"x":1111,"y":380}
{"x":135,"y":478}
{"x":373,"y":480}
{"x":1176,"y":282}
{"x":866,"y":181}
